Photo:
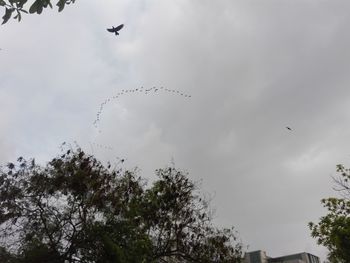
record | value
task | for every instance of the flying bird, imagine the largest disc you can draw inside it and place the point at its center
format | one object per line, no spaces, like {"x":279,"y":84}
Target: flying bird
{"x":288,"y":128}
{"x":115,"y":29}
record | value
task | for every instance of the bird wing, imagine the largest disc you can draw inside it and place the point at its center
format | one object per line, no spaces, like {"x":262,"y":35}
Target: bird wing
{"x":111,"y":30}
{"x":119,"y":27}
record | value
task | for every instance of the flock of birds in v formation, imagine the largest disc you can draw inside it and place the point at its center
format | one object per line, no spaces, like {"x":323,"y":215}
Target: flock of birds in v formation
{"x":123,"y":92}
{"x":131,"y":91}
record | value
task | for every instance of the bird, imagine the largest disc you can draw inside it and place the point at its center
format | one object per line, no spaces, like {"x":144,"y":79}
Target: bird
{"x":288,"y":128}
{"x":115,"y":29}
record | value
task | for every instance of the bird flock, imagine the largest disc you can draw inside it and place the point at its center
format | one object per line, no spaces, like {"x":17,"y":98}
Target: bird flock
{"x":141,"y":90}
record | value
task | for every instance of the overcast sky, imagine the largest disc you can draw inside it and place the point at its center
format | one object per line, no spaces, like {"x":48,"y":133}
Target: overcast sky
{"x":251,"y":67}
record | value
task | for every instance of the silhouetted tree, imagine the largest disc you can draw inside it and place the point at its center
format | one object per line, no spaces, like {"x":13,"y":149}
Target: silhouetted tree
{"x":18,"y":7}
{"x":75,"y":209}
{"x":333,"y":230}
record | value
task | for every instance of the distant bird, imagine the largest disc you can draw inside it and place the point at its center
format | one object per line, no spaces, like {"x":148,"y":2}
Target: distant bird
{"x":288,"y":128}
{"x":115,"y":29}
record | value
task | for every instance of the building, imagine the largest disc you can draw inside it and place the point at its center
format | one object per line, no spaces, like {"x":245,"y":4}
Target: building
{"x":261,"y":257}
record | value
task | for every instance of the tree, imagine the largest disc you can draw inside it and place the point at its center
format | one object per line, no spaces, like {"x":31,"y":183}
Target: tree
{"x":333,"y":230}
{"x":75,"y":209}
{"x":19,"y":7}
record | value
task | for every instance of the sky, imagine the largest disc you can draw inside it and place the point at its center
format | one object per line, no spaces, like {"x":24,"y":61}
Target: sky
{"x":248,"y":69}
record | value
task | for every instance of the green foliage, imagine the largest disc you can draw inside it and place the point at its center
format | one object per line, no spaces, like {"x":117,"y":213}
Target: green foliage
{"x":36,"y":251}
{"x":6,"y":257}
{"x":333,"y":230}
{"x":19,"y":6}
{"x":75,"y":209}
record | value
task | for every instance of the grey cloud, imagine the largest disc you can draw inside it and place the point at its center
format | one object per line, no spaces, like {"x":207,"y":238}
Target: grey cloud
{"x":252,"y":68}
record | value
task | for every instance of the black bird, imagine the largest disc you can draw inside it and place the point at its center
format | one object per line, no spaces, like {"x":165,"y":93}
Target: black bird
{"x":288,"y":128}
{"x":115,"y":29}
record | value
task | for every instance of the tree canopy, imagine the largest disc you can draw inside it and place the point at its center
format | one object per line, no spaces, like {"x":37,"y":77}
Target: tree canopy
{"x":18,"y":7}
{"x":75,"y":209}
{"x":333,"y":230}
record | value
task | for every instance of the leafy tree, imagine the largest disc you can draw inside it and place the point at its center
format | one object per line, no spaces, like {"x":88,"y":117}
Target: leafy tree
{"x":333,"y":230}
{"x":19,"y":6}
{"x":75,"y":209}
